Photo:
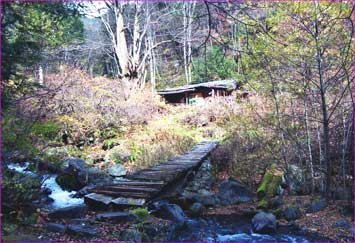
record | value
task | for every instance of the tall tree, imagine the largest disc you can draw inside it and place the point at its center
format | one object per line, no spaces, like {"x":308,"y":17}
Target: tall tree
{"x":127,"y":25}
{"x":29,"y":28}
{"x":309,"y":48}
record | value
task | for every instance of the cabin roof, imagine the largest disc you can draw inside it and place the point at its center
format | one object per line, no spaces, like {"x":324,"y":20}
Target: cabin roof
{"x":218,"y":84}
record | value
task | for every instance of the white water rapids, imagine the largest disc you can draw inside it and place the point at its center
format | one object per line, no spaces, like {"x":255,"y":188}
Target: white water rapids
{"x":61,"y":198}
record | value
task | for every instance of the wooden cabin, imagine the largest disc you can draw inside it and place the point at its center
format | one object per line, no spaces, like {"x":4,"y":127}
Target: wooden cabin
{"x":192,"y":93}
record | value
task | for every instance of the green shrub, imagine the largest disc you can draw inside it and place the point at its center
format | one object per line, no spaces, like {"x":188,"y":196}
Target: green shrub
{"x":15,"y":134}
{"x":215,"y":66}
{"x":9,"y":227}
{"x":136,"y":151}
{"x":108,"y":133}
{"x":45,"y":129}
{"x":110,"y":143}
{"x":18,"y":190}
{"x":141,"y":213}
{"x":52,"y":158}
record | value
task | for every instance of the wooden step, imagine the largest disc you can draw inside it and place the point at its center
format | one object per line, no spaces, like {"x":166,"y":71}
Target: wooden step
{"x":148,"y":183}
{"x":129,"y":189}
{"x":123,"y":201}
{"x":146,"y":177}
{"x":122,"y":194}
{"x":139,"y":183}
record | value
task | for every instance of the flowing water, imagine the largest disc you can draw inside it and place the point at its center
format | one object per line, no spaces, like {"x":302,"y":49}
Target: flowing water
{"x":229,"y":228}
{"x":21,"y":168}
{"x":61,"y":198}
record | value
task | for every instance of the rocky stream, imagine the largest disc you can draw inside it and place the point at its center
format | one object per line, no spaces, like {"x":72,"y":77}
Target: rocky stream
{"x":189,"y":223}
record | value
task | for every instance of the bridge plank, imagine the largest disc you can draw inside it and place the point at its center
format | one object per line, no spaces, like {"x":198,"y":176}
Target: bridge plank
{"x":145,"y":184}
{"x":139,"y":183}
{"x":128,"y":189}
{"x":121,"y":194}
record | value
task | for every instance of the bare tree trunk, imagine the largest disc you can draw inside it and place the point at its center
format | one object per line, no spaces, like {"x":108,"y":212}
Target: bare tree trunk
{"x":127,"y":55}
{"x":299,"y":155}
{"x":308,"y":140}
{"x":189,"y":36}
{"x":152,"y":73}
{"x":40,"y":75}
{"x":346,"y":133}
{"x":185,"y":23}
{"x":314,"y":110}
{"x":279,"y":122}
{"x":325,"y":122}
{"x":188,"y":10}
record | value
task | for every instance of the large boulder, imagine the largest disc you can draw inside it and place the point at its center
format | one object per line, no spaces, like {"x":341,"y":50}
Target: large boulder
{"x":276,"y":202}
{"x":117,"y":170}
{"x":162,"y":232}
{"x":68,"y":212}
{"x":118,"y":154}
{"x":295,"y":179}
{"x":347,"y":210}
{"x":68,"y":182}
{"x":264,"y":223}
{"x":346,"y":194}
{"x":47,"y":166}
{"x":82,"y":230}
{"x":17,"y":156}
{"x":196,"y":209}
{"x":342,"y":223}
{"x":316,"y":206}
{"x":170,"y":211}
{"x":116,"y":217}
{"x":271,"y":182}
{"x":204,"y":197}
{"x":292,"y":213}
{"x":207,"y":200}
{"x":76,"y":166}
{"x":54,"y":227}
{"x":77,"y":174}
{"x":231,"y":192}
{"x":130,"y":235}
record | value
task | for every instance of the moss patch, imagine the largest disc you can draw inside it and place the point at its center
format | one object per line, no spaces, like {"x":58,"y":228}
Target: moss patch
{"x":271,"y":181}
{"x":263,"y":204}
{"x":141,"y":213}
{"x":277,"y":212}
{"x":268,"y":188}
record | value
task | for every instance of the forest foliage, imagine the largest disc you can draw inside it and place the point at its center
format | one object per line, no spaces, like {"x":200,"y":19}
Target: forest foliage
{"x":74,"y":85}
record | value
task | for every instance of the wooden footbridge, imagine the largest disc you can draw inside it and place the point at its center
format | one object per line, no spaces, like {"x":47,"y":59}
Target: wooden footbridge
{"x":151,"y":183}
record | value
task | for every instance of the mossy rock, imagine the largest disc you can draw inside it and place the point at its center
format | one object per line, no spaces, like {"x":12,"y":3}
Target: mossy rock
{"x":292,"y":213}
{"x":118,"y":154}
{"x":271,"y":181}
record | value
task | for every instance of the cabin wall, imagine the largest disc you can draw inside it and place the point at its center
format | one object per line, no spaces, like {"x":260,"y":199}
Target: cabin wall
{"x":175,"y":98}
{"x":203,"y":92}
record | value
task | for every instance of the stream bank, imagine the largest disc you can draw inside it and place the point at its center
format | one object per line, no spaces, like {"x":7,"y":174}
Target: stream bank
{"x":226,"y":215}
{"x":60,"y":198}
